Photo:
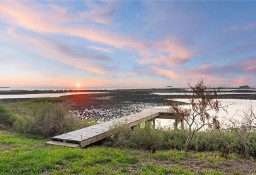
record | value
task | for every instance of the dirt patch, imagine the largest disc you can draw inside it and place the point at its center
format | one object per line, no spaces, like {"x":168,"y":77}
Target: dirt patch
{"x":6,"y":147}
{"x":3,"y":127}
{"x":240,"y":166}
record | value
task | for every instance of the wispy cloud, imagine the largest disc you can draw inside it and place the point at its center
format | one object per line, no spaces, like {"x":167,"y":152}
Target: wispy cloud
{"x":84,"y":34}
{"x":99,"y":12}
{"x":66,"y":54}
{"x":246,"y":27}
{"x":245,"y":66}
{"x":236,"y":73}
{"x":25,"y":15}
{"x":166,"y":72}
{"x":167,"y":52}
{"x":100,"y":49}
{"x":46,"y":19}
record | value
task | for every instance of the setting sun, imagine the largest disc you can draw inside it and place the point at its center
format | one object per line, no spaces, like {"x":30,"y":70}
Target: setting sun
{"x":78,"y":85}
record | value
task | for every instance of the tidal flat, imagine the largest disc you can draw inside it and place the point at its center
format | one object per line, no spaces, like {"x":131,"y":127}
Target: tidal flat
{"x":111,"y":104}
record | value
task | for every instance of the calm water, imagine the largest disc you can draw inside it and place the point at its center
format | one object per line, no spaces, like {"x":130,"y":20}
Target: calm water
{"x":189,"y":93}
{"x":44,"y":95}
{"x":235,"y":111}
{"x":66,"y":88}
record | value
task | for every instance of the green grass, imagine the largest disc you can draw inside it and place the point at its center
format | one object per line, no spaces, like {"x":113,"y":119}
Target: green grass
{"x":171,"y":155}
{"x":26,"y":154}
{"x":22,"y":155}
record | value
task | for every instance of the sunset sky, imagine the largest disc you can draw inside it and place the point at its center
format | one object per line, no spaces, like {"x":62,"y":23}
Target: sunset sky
{"x":127,"y":43}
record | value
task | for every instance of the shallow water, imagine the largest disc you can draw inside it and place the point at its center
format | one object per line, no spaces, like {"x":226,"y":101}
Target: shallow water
{"x":44,"y":95}
{"x":190,"y":93}
{"x":235,"y":112}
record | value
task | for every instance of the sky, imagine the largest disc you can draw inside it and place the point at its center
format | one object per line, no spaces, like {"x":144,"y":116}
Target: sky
{"x":124,"y":44}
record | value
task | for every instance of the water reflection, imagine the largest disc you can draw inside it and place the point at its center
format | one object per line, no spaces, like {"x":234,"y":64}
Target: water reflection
{"x":235,"y":111}
{"x":44,"y":95}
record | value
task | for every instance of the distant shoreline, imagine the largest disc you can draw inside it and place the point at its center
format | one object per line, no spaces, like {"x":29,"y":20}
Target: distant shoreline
{"x":11,"y":91}
{"x":23,"y":92}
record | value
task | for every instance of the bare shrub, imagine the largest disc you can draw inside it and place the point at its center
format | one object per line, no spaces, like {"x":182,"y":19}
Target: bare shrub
{"x":202,"y":101}
{"x":245,"y":128}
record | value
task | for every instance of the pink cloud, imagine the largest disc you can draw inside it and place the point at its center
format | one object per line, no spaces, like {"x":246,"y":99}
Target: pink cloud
{"x":58,"y":51}
{"x":33,"y":80}
{"x":100,"y":49}
{"x":46,"y":19}
{"x":55,"y":20}
{"x":249,"y":65}
{"x":166,"y":72}
{"x":212,"y":74}
{"x":99,"y":12}
{"x":169,"y":52}
{"x":240,"y":81}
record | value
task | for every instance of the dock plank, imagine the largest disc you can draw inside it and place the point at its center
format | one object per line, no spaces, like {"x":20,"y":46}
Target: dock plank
{"x":63,"y":144}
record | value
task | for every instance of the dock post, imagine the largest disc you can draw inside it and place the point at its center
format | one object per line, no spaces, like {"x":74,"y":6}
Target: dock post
{"x":182,"y":124}
{"x":175,"y":124}
{"x":154,"y":123}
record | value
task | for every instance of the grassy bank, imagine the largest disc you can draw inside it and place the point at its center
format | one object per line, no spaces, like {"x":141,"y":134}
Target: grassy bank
{"x":24,"y":154}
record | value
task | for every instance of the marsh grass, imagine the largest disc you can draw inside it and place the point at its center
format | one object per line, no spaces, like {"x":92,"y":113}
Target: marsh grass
{"x":143,"y":138}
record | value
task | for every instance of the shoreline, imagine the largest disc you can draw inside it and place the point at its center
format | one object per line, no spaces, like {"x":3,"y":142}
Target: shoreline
{"x":59,"y":94}
{"x":24,"y":92}
{"x":110,"y":105}
{"x":141,"y":90}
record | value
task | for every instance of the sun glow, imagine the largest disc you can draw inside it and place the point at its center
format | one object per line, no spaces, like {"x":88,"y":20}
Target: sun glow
{"x":78,"y":85}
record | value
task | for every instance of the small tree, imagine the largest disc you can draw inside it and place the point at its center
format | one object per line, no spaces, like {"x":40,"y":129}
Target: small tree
{"x":202,"y":101}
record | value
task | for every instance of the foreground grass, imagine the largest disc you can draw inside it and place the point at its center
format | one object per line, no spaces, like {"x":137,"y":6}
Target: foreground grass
{"x":23,"y":154}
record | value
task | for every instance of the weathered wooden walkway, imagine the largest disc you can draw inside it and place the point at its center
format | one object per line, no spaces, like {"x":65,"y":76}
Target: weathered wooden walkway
{"x":89,"y":135}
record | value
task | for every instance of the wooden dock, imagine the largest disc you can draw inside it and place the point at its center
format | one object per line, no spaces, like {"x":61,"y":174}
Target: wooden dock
{"x":89,"y":135}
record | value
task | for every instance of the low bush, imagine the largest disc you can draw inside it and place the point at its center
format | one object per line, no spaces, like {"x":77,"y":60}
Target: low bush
{"x":40,"y":117}
{"x":6,"y":117}
{"x":48,"y":119}
{"x":137,"y":138}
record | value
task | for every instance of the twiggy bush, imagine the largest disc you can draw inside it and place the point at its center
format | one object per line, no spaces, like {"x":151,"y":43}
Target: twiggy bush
{"x":202,"y":101}
{"x":244,"y":130}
